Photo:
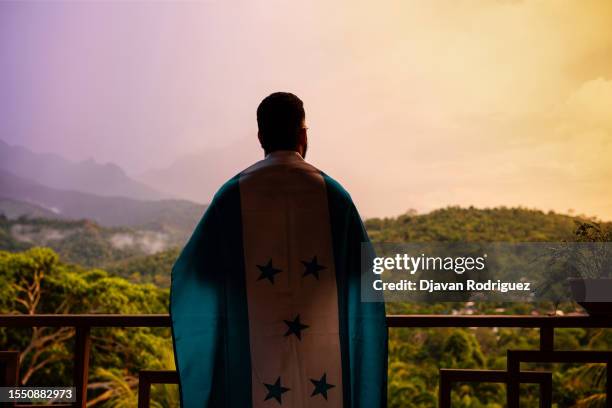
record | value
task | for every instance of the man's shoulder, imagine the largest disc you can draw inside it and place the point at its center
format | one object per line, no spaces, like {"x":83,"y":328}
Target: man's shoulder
{"x":335,"y":191}
{"x":229,"y":191}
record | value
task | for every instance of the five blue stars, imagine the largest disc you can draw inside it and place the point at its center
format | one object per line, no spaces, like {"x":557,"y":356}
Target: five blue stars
{"x":295,"y":327}
{"x":321,"y":386}
{"x":312,"y":267}
{"x":276,"y":391}
{"x":268,"y":271}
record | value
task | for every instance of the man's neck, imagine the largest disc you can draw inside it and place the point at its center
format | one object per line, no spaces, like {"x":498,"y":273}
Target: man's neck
{"x":283,"y":154}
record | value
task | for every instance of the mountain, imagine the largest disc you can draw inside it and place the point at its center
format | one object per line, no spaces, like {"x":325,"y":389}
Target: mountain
{"x":171,"y":216}
{"x":13,"y":209}
{"x":87,"y":176}
{"x":198,"y":176}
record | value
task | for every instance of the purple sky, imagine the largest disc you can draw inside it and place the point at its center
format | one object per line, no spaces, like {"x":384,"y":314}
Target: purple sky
{"x":411,"y":105}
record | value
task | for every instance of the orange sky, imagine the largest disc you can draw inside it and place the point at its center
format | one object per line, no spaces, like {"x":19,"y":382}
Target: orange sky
{"x":414,"y":104}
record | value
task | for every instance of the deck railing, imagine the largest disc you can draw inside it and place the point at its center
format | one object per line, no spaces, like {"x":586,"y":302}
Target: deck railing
{"x":84,"y":323}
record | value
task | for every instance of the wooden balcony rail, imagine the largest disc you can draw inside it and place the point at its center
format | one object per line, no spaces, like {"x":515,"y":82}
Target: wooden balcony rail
{"x":450,"y":376}
{"x":515,"y":357}
{"x":84,"y":323}
{"x":148,"y":377}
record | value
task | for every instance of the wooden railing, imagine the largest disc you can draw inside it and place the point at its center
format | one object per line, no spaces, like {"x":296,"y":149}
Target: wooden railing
{"x":84,"y":323}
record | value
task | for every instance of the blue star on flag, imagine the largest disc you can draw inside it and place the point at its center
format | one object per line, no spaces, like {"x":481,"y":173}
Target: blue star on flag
{"x":295,"y":327}
{"x":268,"y":271}
{"x":321,"y":386}
{"x":312,"y":267}
{"x":276,"y":391}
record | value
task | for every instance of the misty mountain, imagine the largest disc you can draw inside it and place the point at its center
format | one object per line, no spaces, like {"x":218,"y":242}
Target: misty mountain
{"x":87,"y":176}
{"x":198,"y":176}
{"x":86,"y":243}
{"x":173,"y":216}
{"x":13,"y":209}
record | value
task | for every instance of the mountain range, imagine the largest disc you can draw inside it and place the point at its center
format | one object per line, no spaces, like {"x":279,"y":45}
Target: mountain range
{"x":194,"y":177}
{"x":41,"y":185}
{"x":87,"y":176}
{"x":169,"y":215}
{"x":13,"y":209}
{"x":198,"y":176}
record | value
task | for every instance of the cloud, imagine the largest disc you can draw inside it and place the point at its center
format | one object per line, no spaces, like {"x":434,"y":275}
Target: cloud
{"x":148,"y":241}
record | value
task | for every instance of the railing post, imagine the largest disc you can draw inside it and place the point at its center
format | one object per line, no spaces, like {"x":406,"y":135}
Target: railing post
{"x":547,"y":343}
{"x":513,"y":385}
{"x":547,"y":338}
{"x":546,"y":393}
{"x":144,"y":390}
{"x":444,"y":391}
{"x":609,"y":384}
{"x":82,"y":345}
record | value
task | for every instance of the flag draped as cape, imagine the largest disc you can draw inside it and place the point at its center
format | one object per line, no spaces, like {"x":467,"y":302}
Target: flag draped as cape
{"x":266,"y":297}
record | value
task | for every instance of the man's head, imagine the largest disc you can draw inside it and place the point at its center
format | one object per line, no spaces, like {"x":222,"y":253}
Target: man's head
{"x":280,"y":119}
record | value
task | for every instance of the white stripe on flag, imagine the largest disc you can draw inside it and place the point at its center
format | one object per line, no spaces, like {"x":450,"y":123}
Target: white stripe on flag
{"x":291,"y":283}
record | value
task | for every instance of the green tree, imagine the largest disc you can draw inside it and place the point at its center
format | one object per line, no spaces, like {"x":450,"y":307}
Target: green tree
{"x":35,"y":281}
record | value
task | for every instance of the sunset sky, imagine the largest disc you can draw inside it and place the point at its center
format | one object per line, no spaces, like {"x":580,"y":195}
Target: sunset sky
{"x":410,"y":104}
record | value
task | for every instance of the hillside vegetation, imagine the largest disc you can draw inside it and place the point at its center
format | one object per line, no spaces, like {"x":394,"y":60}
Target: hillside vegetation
{"x":84,"y":242}
{"x":108,"y":270}
{"x":147,"y":254}
{"x":474,"y":225}
{"x":147,"y":268}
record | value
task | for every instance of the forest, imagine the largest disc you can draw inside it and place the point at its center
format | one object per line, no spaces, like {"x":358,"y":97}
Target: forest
{"x":82,"y":272}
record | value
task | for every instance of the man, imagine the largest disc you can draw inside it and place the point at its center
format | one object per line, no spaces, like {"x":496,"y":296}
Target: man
{"x":266,"y":295}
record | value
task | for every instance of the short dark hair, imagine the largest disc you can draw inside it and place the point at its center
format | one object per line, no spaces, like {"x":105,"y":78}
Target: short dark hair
{"x":280,"y":117}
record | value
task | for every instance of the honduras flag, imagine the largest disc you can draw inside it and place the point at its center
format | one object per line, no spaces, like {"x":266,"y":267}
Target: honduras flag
{"x":266,"y":297}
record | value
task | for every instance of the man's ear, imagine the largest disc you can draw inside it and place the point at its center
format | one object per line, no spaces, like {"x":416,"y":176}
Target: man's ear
{"x":303,"y":138}
{"x":260,"y":139}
